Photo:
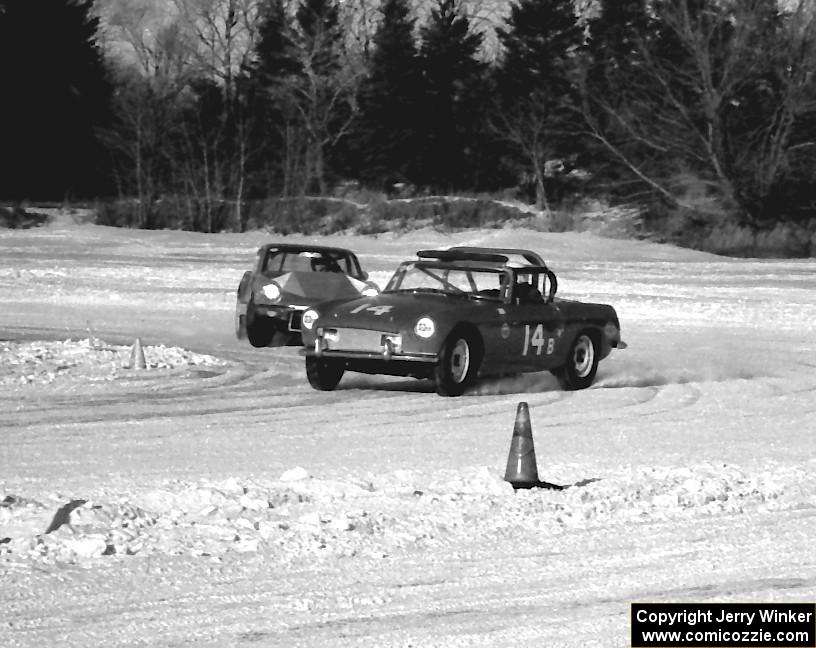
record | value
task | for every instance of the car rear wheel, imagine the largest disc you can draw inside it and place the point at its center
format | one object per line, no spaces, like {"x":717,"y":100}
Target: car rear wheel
{"x":323,"y":375}
{"x":259,"y":329}
{"x":582,"y":363}
{"x":457,"y":366}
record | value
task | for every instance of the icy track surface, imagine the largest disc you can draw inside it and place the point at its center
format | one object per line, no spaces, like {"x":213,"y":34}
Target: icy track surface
{"x":213,"y":498}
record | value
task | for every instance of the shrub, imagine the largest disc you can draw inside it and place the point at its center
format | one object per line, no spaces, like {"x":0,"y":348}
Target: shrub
{"x":18,"y":218}
{"x":302,"y":215}
{"x":173,"y":212}
{"x":723,"y":233}
{"x":444,"y":214}
{"x":704,"y":224}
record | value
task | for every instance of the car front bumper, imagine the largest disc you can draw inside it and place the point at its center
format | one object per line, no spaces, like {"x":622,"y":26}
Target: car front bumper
{"x":289,"y":316}
{"x":403,"y":364}
{"x":364,"y":345}
{"x":385,"y":356}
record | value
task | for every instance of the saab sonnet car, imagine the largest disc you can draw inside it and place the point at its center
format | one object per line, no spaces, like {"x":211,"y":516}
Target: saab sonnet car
{"x":287,"y":280}
{"x":459,"y":314}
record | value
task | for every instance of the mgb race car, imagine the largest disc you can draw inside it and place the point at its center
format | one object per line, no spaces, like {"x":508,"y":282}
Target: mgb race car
{"x":457,"y":314}
{"x":287,"y":280}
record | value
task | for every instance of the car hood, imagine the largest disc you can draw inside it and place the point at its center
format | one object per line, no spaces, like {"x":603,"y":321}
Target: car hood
{"x":313,"y":287}
{"x":393,"y":311}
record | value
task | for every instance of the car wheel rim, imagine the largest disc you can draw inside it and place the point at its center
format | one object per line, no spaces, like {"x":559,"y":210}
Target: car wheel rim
{"x":583,"y":356}
{"x":459,"y":361}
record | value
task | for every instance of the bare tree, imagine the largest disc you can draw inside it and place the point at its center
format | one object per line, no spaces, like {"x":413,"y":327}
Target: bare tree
{"x":536,"y":87}
{"x":717,"y":95}
{"x":223,"y":35}
{"x":153,"y":62}
{"x":323,"y":94}
{"x":529,"y":129}
{"x":778,"y":145}
{"x":188,"y":56}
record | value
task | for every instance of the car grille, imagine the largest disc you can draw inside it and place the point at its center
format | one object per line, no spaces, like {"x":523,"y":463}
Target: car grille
{"x":349,"y":339}
{"x":295,"y":319}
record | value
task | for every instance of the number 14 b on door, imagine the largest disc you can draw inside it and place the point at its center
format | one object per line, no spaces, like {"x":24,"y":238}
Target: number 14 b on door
{"x":534,"y":338}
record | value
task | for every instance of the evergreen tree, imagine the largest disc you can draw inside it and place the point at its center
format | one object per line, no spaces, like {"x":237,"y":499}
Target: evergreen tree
{"x":536,"y":86}
{"x":539,"y":41}
{"x":275,"y":59}
{"x":452,"y":75}
{"x":614,"y":65}
{"x":55,"y":95}
{"x":303,"y":80}
{"x":321,"y":37}
{"x":615,"y":39}
{"x":271,"y":77}
{"x":387,"y":134}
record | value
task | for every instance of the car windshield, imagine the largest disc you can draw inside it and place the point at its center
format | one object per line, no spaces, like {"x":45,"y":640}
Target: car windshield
{"x":478,"y":283}
{"x":311,"y":261}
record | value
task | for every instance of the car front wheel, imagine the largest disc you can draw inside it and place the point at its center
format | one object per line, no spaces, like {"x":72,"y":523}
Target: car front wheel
{"x":240,"y":320}
{"x":582,"y":363}
{"x":457,"y":366}
{"x":259,"y":329}
{"x":323,"y":375}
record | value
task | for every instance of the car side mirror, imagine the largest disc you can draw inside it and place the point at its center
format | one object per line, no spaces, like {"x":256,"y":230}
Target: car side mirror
{"x":365,"y":276}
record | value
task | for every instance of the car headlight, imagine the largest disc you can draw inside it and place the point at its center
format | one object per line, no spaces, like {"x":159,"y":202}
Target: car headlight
{"x":425,"y":327}
{"x":271,"y":291}
{"x":309,"y":318}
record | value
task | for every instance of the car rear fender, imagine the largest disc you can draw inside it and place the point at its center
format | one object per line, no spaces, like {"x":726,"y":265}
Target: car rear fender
{"x":602,"y":333}
{"x":602,"y":319}
{"x":611,"y":338}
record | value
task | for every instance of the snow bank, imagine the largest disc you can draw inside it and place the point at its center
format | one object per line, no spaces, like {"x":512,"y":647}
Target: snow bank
{"x":89,"y":360}
{"x":298,"y":517}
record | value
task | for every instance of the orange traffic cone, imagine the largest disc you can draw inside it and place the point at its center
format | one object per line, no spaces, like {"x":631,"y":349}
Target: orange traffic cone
{"x":521,"y":463}
{"x":522,"y":471}
{"x":137,"y":357}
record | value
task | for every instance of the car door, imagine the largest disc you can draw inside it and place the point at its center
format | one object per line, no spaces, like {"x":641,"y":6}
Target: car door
{"x":535,"y":328}
{"x":535,"y":332}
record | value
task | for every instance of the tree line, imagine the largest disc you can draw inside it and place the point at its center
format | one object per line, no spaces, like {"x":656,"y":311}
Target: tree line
{"x":703,"y":106}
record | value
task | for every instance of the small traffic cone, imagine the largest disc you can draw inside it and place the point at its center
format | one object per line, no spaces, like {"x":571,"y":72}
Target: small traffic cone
{"x":137,"y":357}
{"x":522,"y":471}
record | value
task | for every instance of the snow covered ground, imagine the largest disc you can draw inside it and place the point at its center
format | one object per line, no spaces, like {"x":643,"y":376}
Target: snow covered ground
{"x":215,"y":498}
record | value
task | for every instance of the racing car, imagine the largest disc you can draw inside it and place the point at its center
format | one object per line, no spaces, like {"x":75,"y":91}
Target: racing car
{"x":456,"y":315}
{"x":288,"y":279}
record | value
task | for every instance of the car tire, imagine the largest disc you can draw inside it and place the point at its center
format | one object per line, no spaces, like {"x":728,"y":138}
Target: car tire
{"x":458,"y":364}
{"x":240,"y":321}
{"x":240,"y":306}
{"x":582,"y":363}
{"x":322,"y":374}
{"x":259,"y":330}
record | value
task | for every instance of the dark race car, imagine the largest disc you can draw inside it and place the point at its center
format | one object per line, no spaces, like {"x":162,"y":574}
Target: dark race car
{"x":287,"y":280}
{"x":453,"y":315}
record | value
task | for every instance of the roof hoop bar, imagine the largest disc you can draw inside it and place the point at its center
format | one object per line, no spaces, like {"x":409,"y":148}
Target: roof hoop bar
{"x":528,"y":255}
{"x":462,"y":255}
